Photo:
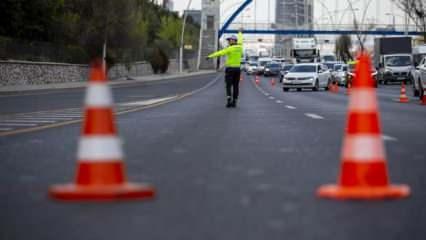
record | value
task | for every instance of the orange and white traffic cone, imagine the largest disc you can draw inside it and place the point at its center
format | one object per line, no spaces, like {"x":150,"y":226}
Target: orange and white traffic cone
{"x":273,"y":82}
{"x":101,"y":171}
{"x":423,"y":102}
{"x":403,"y":96}
{"x":241,"y":77}
{"x":348,"y":89}
{"x":363,"y":173}
{"x":257,"y":81}
{"x":335,"y":87}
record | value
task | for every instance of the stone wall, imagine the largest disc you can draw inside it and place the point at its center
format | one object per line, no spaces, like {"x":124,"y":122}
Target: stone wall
{"x":14,"y":73}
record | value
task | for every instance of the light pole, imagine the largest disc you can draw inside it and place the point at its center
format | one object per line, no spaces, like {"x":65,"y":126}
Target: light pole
{"x":393,"y":20}
{"x":182,"y":38}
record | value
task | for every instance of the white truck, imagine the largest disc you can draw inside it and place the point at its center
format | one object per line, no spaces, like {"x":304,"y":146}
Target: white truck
{"x":304,"y":50}
{"x":393,"y":58}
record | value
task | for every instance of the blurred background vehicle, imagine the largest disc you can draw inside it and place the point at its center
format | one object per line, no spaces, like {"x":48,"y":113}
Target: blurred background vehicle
{"x":350,"y":75}
{"x":340,"y":74}
{"x":284,"y":70}
{"x":308,"y":75}
{"x":251,"y":68}
{"x":393,"y":58}
{"x":272,"y":69}
{"x":419,"y":79}
{"x":261,"y":65}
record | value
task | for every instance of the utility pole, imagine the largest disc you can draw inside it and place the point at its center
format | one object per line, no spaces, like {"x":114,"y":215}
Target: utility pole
{"x":182,"y":38}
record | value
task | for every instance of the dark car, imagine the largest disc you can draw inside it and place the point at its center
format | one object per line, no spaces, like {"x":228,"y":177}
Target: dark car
{"x":272,"y":69}
{"x":351,"y":74}
{"x":284,"y":71}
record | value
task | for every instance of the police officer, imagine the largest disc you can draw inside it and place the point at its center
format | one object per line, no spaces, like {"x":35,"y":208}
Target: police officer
{"x":234,"y":53}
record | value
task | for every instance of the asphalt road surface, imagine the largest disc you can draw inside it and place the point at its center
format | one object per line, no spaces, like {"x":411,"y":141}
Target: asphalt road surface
{"x":244,"y":173}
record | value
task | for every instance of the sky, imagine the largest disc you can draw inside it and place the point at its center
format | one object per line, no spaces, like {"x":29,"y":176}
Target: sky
{"x":377,"y":10}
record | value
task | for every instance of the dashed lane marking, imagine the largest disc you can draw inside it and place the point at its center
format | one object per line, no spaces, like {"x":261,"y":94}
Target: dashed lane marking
{"x":290,"y":107}
{"x":279,"y":101}
{"x":271,"y":97}
{"x":313,"y":116}
{"x":5,"y":129}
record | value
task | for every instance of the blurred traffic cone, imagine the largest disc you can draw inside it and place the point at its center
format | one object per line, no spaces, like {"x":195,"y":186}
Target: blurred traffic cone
{"x":403,"y":96}
{"x":241,"y":77}
{"x":273,"y":82}
{"x":257,"y":80}
{"x":423,"y":102}
{"x":335,"y":87}
{"x":100,"y":171}
{"x":363,"y":173}
{"x":348,"y":89}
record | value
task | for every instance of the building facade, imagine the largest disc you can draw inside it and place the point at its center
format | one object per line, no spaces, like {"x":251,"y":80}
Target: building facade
{"x":291,"y":14}
{"x":210,"y":24}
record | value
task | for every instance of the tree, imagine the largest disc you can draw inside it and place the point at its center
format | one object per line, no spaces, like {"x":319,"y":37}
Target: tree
{"x":415,"y":9}
{"x":343,"y":48}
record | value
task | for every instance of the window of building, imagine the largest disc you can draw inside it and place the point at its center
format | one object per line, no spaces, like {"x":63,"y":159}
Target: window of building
{"x":210,"y":22}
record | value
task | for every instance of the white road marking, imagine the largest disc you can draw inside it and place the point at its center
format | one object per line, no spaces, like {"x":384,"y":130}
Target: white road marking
{"x":46,"y":118}
{"x":389,"y":138}
{"x":279,"y":101}
{"x":146,"y":102}
{"x":26,"y":121}
{"x":272,"y":98}
{"x":266,"y":94}
{"x":313,"y":116}
{"x":290,"y":107}
{"x":5,"y":129}
{"x":18,"y":124}
{"x":60,"y":115}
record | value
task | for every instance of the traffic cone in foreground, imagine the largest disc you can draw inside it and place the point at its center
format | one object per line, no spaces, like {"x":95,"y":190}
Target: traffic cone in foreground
{"x":100,"y":169}
{"x":363,"y":173}
{"x":403,"y":96}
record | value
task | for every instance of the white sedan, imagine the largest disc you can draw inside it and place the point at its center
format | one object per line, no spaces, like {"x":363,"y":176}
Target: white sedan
{"x":309,"y":75}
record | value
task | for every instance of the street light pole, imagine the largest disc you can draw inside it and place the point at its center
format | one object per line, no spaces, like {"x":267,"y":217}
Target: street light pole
{"x":182,"y":38}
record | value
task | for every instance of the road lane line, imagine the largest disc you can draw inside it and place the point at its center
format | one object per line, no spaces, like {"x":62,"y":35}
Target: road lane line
{"x":279,"y":101}
{"x":18,"y":124}
{"x":5,"y":129}
{"x":26,"y":121}
{"x":134,"y":109}
{"x":313,"y":116}
{"x":389,"y":138}
{"x":45,"y":118}
{"x":290,"y":107}
{"x":271,"y":97}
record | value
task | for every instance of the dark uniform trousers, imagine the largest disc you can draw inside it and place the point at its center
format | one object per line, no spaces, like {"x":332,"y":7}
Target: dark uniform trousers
{"x":232,"y":80}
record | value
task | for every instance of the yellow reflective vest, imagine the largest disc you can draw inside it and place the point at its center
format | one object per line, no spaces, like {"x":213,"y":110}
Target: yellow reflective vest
{"x":234,"y":53}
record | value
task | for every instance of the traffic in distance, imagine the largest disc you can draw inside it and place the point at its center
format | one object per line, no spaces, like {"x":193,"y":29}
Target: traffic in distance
{"x":395,"y":60}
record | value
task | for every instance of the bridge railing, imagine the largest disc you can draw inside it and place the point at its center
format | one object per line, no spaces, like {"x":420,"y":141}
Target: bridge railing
{"x":323,"y":27}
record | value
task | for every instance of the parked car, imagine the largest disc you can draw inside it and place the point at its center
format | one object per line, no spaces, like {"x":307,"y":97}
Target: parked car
{"x":340,"y":74}
{"x":272,"y":69}
{"x":350,"y":75}
{"x":419,"y":79}
{"x":307,"y":75}
{"x":284,"y":71}
{"x":251,"y":68}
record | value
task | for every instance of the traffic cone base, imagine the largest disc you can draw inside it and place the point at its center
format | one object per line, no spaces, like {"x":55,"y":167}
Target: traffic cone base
{"x":404,"y":100}
{"x":126,"y":191}
{"x":366,"y":193}
{"x":403,"y":96}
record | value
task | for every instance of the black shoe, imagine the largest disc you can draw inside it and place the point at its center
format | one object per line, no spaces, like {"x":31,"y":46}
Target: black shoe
{"x":234,"y":103}
{"x":229,"y":103}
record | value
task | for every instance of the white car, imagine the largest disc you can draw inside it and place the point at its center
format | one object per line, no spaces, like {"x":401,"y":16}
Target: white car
{"x":251,"y":68}
{"x":307,"y":75}
{"x":419,"y":79}
{"x":340,"y":74}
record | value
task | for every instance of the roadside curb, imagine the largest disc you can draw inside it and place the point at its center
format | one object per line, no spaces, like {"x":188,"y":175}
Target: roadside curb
{"x":122,"y":81}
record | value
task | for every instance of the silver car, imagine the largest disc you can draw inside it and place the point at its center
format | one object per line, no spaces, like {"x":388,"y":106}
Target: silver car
{"x":340,"y":74}
{"x":307,"y":75}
